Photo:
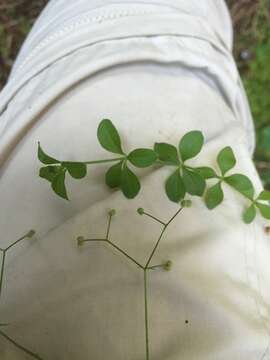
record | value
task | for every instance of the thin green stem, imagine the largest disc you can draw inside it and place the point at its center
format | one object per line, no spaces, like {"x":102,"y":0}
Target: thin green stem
{"x":155,"y":266}
{"x":118,"y":248}
{"x":153,"y":251}
{"x":85,"y":240}
{"x":104,"y":161}
{"x":174,"y":216}
{"x":146,"y":315}
{"x":124,"y":253}
{"x":2,"y":271}
{"x":108,"y":227}
{"x":162,"y":232}
{"x":35,"y":356}
{"x":16,"y":242}
{"x":155,"y":218}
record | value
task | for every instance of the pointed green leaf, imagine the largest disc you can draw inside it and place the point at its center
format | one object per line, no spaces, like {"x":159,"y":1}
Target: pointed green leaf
{"x":249,"y":214}
{"x":44,"y":158}
{"x":226,"y":159}
{"x":175,"y":188}
{"x":58,"y":185}
{"x":206,"y":172}
{"x":113,"y":175}
{"x":108,"y":137}
{"x":49,"y":172}
{"x":77,"y":170}
{"x":264,"y":195}
{"x":264,"y":210}
{"x":130,"y":184}
{"x":194,"y":183}
{"x":214,"y":196}
{"x":167,"y":153}
{"x":242,"y":184}
{"x":191,"y":144}
{"x":142,"y":157}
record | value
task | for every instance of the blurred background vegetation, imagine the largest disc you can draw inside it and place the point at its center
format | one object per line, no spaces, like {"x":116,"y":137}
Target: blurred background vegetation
{"x":251,"y":20}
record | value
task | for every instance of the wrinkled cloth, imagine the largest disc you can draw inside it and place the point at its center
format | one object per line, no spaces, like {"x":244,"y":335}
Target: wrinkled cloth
{"x":157,"y":69}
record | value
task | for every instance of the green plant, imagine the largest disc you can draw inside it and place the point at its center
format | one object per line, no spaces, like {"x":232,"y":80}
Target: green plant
{"x":145,"y":268}
{"x":183,"y":180}
{"x":256,"y":82}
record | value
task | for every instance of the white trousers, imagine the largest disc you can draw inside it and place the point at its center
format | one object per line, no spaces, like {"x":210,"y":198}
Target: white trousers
{"x":157,"y":69}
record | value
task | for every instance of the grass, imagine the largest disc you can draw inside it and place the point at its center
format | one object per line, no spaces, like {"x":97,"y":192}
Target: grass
{"x":251,"y":19}
{"x":252,"y":52}
{"x":16,"y":19}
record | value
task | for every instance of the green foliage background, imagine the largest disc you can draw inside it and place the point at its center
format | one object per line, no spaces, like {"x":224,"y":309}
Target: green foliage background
{"x":251,"y":20}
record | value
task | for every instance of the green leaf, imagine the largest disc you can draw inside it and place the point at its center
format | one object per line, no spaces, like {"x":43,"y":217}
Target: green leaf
{"x":142,"y":157}
{"x":49,"y":172}
{"x":226,"y":159}
{"x":108,"y":137}
{"x":130,"y":184}
{"x":194,"y":183}
{"x":175,"y":188}
{"x":58,"y":185}
{"x":264,"y":195}
{"x":249,"y":214}
{"x":167,"y":153}
{"x":214,"y":196}
{"x":206,"y":172}
{"x":264,"y":210}
{"x":113,"y":175}
{"x":191,"y":144}
{"x":77,"y":170}
{"x":44,"y":158}
{"x":242,"y":184}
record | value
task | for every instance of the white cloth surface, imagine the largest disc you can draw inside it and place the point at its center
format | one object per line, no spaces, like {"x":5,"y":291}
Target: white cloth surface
{"x":157,"y":69}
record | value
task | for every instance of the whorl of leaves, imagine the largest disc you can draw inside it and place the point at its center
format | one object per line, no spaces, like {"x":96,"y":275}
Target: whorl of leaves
{"x":183,"y":179}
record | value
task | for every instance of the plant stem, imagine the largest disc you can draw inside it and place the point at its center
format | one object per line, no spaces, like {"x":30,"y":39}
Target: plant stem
{"x":35,"y":356}
{"x":144,"y":268}
{"x":16,"y":242}
{"x":174,"y":216}
{"x":123,"y":252}
{"x":146,"y":314}
{"x":104,"y":161}
{"x":155,"y":218}
{"x":153,"y":251}
{"x":2,"y":270}
{"x":118,"y":248}
{"x":163,"y":230}
{"x":155,"y":266}
{"x":108,"y":227}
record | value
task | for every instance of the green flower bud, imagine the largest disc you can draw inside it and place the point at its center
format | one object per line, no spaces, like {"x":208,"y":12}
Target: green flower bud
{"x":112,"y":212}
{"x":31,"y":233}
{"x":80,"y":240}
{"x":140,"y":211}
{"x":168,"y":265}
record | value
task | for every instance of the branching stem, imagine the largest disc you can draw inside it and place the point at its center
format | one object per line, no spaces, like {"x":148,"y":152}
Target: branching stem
{"x":26,"y":351}
{"x":165,"y":225}
{"x":144,"y":268}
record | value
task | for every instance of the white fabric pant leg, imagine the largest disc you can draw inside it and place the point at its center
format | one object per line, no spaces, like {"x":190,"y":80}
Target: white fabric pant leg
{"x":65,"y":302}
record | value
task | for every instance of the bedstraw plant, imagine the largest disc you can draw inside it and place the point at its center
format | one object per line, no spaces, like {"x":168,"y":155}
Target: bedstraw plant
{"x":184,"y":180}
